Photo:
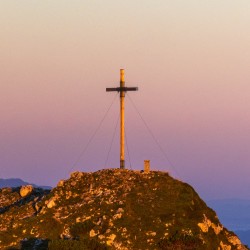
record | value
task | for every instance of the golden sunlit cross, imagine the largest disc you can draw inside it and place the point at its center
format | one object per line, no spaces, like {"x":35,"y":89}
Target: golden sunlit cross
{"x":122,"y":89}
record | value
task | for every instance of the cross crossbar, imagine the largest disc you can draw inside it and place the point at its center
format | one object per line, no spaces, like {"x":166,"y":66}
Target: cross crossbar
{"x":118,"y":89}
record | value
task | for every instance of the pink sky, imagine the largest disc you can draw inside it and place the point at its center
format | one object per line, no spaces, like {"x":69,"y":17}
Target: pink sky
{"x":190,"y":60}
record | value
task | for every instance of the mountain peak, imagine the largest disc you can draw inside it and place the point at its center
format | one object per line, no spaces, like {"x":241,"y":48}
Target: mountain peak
{"x":115,"y":209}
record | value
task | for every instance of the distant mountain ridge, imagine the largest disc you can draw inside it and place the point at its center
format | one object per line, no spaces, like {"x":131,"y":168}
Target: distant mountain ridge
{"x":235,"y":215}
{"x":17,"y":182}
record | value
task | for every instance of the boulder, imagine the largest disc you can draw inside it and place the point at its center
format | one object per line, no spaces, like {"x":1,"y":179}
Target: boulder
{"x":76,"y":175}
{"x":60,"y":183}
{"x":26,"y":190}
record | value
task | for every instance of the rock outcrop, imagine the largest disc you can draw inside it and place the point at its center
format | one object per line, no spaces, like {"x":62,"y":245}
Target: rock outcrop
{"x":112,"y":209}
{"x":26,"y":190}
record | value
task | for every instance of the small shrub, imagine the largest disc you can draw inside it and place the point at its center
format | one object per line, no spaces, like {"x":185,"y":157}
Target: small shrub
{"x":52,"y":228}
{"x":81,"y":228}
{"x":104,"y":227}
{"x":96,"y":245}
{"x":34,"y":243}
{"x":85,"y":244}
{"x":6,"y":237}
{"x":66,"y":245}
{"x":180,"y":241}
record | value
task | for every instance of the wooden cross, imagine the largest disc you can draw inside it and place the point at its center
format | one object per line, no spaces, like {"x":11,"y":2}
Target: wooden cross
{"x":122,"y":89}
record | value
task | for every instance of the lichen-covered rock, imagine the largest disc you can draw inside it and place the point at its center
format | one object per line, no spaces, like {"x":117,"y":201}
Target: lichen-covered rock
{"x":111,"y":239}
{"x":92,"y":233}
{"x":206,"y":224}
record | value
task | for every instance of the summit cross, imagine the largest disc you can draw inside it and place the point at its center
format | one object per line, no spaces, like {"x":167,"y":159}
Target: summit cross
{"x":122,"y":89}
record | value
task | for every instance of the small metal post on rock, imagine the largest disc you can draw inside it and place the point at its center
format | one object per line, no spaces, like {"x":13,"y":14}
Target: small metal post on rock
{"x":122,"y":89}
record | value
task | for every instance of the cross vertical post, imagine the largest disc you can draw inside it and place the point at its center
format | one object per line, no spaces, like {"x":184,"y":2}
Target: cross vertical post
{"x":122,"y":89}
{"x":122,"y":121}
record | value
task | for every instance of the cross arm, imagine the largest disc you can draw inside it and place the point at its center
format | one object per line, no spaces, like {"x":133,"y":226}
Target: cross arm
{"x":112,"y":89}
{"x":130,"y":88}
{"x":119,"y":89}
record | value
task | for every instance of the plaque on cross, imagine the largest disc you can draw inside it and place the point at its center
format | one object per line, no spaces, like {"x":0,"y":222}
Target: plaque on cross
{"x":122,"y":89}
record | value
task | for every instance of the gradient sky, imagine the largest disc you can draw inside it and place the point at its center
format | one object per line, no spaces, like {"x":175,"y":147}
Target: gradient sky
{"x":190,"y":60}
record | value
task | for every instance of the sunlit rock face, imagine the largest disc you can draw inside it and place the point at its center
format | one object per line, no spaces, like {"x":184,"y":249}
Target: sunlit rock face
{"x":112,"y":209}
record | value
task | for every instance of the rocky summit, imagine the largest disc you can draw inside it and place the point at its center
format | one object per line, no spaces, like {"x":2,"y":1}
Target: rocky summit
{"x":111,"y":209}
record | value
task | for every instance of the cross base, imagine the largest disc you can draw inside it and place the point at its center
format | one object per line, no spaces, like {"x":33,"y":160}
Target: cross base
{"x":122,"y":164}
